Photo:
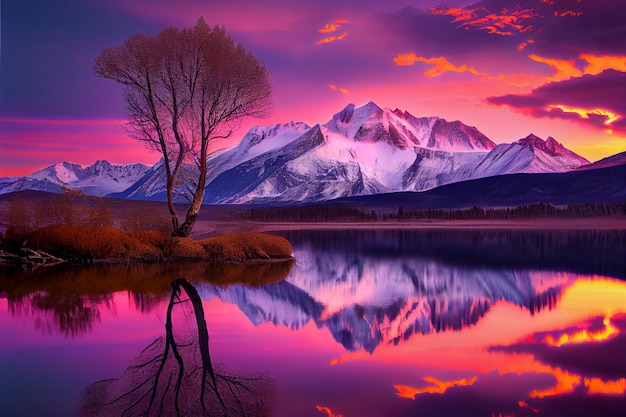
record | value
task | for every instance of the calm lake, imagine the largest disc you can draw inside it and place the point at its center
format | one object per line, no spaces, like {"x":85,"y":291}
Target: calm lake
{"x":365,"y":323}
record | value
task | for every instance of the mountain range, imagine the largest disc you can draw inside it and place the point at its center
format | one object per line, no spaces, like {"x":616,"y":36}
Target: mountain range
{"x":361,"y":151}
{"x":100,"y":179}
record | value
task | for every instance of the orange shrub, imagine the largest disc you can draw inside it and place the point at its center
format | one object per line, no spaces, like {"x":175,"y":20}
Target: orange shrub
{"x":150,"y":237}
{"x":183,"y":247}
{"x":246,"y":246}
{"x":98,"y":242}
{"x":105,"y":242}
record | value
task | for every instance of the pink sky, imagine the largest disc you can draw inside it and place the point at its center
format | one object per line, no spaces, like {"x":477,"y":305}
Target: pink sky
{"x":510,"y":68}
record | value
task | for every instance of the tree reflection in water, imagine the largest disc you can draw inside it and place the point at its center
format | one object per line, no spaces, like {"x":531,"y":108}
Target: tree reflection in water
{"x":69,"y":299}
{"x":174,"y":375}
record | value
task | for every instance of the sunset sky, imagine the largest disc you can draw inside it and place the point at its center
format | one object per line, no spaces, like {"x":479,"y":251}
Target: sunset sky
{"x":510,"y":68}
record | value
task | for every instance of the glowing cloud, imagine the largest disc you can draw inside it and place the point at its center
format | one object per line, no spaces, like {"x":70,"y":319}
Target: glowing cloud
{"x":331,"y":39}
{"x":524,"y":404}
{"x":503,"y":23}
{"x":565,"y":384}
{"x":611,"y":117}
{"x":598,"y":386}
{"x":438,"y":387}
{"x":568,"y":383}
{"x":568,"y":13}
{"x":596,"y":64}
{"x":334,"y":87}
{"x":585,"y":336}
{"x":563,"y":69}
{"x":440,"y":65}
{"x":460,"y":14}
{"x":523,"y":45}
{"x":327,"y":410}
{"x":330,"y":28}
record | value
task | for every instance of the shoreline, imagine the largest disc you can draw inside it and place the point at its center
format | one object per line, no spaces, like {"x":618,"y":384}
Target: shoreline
{"x":209,"y":228}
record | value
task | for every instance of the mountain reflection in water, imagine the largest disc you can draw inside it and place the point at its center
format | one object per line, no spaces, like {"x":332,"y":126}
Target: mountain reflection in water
{"x":374,"y":323}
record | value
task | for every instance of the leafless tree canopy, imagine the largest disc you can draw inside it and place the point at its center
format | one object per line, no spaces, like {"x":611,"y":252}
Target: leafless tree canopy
{"x":184,"y":88}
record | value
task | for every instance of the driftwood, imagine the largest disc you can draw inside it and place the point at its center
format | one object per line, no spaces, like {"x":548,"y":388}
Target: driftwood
{"x":29,"y":258}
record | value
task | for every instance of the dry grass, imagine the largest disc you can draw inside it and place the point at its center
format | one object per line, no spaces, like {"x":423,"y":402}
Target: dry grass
{"x":96,"y":242}
{"x":234,"y":247}
{"x":247,"y":246}
{"x":105,"y":242}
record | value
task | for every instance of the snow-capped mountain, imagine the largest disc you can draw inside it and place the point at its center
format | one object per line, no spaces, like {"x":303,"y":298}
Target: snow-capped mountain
{"x":100,"y":179}
{"x":369,"y":150}
{"x":258,"y":140}
{"x":361,"y":151}
{"x":531,"y":155}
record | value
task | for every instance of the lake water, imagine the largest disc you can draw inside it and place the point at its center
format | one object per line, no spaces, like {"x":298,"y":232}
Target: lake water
{"x":366,"y":323}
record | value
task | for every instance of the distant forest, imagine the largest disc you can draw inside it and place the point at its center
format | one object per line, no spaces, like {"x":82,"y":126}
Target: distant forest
{"x":344,"y":213}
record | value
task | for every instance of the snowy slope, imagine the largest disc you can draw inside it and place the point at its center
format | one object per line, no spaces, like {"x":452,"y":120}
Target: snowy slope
{"x":531,"y":155}
{"x":368,"y":150}
{"x":361,"y":151}
{"x":100,"y":179}
{"x":152,"y":185}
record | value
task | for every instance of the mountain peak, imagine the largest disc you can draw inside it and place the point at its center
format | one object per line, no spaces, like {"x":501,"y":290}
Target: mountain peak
{"x":369,"y":107}
{"x":258,"y":134}
{"x":352,"y":114}
{"x":549,"y":146}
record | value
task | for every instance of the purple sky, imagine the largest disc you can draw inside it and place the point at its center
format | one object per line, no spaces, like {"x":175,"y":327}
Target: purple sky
{"x":550,"y":67}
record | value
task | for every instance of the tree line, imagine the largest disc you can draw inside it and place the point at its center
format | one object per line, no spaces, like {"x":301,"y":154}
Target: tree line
{"x":341,"y":213}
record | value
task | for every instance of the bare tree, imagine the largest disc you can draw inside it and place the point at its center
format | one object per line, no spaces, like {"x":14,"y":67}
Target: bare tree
{"x":183,"y":89}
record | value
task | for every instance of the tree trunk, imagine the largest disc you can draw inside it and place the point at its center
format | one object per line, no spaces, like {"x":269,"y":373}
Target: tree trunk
{"x":185,"y":229}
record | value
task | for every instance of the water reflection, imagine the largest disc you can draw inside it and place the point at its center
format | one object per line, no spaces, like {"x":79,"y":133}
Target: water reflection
{"x":369,"y":323}
{"x":367,"y":301}
{"x":588,"y":252}
{"x":174,"y":375}
{"x":70,"y":299}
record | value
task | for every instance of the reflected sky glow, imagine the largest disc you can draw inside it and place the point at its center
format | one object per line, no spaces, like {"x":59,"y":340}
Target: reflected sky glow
{"x":400,"y":333}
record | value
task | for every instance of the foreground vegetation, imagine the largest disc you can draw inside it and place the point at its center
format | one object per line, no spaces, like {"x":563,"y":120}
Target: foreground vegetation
{"x":90,"y":243}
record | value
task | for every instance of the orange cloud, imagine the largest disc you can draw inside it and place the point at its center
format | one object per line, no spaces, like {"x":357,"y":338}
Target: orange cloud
{"x":327,"y":410}
{"x":334,"y":87}
{"x":504,"y":23}
{"x":438,"y":387}
{"x":329,"y":27}
{"x":565,"y":383}
{"x":584,"y":336}
{"x":331,"y":39}
{"x":598,"y":386}
{"x":460,"y":14}
{"x":596,"y":64}
{"x":523,"y":45}
{"x":524,"y":404}
{"x":563,"y":69}
{"x":440,"y":65}
{"x":585,"y":113}
{"x":568,"y":13}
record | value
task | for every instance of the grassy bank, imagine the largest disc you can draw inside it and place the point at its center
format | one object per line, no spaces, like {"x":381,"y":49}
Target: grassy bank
{"x":87,"y":243}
